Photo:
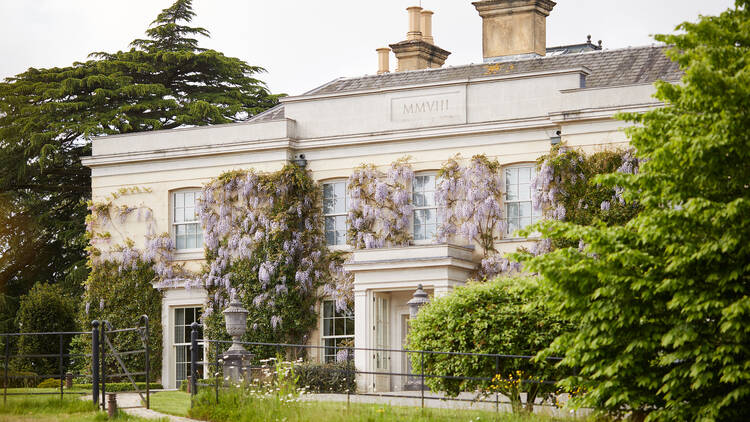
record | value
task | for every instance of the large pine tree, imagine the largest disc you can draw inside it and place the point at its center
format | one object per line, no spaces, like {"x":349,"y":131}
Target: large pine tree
{"x":48,"y":117}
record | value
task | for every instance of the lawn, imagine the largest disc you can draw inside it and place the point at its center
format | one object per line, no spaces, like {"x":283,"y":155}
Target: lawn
{"x":51,"y":408}
{"x":236,"y":407}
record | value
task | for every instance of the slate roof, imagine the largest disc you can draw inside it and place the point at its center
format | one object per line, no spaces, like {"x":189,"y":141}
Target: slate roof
{"x":627,"y":66}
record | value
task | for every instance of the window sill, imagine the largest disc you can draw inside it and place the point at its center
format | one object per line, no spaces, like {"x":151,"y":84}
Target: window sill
{"x":189,"y":255}
{"x":531,"y":238}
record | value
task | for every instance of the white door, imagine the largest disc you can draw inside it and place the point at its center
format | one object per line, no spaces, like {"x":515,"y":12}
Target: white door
{"x":381,"y":328}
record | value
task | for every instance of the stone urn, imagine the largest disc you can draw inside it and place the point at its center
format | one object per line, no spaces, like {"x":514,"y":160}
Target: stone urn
{"x":237,"y":359}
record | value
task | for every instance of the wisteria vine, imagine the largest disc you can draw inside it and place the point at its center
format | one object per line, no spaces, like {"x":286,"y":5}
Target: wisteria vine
{"x":380,"y":205}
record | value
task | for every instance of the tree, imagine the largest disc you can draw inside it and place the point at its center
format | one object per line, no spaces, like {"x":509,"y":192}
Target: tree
{"x":664,"y":300}
{"x":48,"y":116}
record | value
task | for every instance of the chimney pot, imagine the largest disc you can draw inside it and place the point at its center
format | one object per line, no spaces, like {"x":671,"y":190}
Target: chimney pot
{"x":383,"y":60}
{"x":427,"y":26}
{"x":415,"y":18}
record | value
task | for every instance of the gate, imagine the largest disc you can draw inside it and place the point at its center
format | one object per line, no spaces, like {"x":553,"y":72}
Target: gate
{"x":102,"y":347}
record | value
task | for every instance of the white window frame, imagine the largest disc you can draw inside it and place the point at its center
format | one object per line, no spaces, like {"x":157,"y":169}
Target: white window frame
{"x":336,"y":338}
{"x":434,"y":207}
{"x":536,"y":215}
{"x":195,"y":223}
{"x":186,"y":341}
{"x":336,"y":215}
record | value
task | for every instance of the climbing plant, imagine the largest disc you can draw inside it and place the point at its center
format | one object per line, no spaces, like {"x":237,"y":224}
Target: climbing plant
{"x":380,"y":205}
{"x":265,"y":247}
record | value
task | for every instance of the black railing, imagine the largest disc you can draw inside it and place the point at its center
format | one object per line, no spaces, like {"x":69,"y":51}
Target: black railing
{"x":416,"y":379}
{"x":100,"y":337}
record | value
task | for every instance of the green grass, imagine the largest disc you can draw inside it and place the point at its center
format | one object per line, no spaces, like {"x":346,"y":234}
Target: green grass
{"x":171,"y":402}
{"x":236,"y":407}
{"x":51,"y":408}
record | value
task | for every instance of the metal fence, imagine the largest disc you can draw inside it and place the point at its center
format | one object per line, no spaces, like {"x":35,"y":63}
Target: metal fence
{"x":407,"y":383}
{"x":100,"y":338}
{"x":63,"y":359}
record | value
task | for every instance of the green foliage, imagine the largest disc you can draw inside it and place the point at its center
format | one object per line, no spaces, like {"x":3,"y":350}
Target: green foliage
{"x":664,"y":301}
{"x":574,"y":172}
{"x":19,"y":379}
{"x":49,"y":383}
{"x":45,"y":308}
{"x":121,"y":297}
{"x":327,"y":377}
{"x":48,"y":117}
{"x":503,"y":316}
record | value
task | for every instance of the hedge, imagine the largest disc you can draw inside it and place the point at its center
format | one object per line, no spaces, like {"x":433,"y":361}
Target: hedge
{"x":327,"y":378}
{"x":116,"y":387}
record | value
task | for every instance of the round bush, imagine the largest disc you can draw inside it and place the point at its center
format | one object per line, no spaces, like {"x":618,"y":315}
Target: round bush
{"x":504,"y":316}
{"x":44,"y":309}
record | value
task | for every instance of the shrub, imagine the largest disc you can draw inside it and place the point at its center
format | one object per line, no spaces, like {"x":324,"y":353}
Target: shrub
{"x":49,"y":383}
{"x":19,"y":379}
{"x":504,"y":316}
{"x":45,"y":308}
{"x":327,"y":378}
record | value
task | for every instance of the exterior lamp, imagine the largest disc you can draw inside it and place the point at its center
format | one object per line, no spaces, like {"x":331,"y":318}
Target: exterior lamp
{"x":555,"y":138}
{"x":235,"y":317}
{"x":300,"y":161}
{"x":418,"y":299}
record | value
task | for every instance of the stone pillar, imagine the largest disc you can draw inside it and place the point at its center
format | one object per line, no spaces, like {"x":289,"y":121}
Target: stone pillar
{"x":111,"y":405}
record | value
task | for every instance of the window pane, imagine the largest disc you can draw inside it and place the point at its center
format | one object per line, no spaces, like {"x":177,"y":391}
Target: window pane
{"x":328,"y":190}
{"x":341,"y":222}
{"x":181,"y":242}
{"x":328,"y":327}
{"x":330,"y":237}
{"x":524,"y":192}
{"x":512,"y":211}
{"x":330,"y":223}
{"x":428,"y":216}
{"x":524,"y":175}
{"x":179,"y":200}
{"x":524,"y":209}
{"x":430,"y":231}
{"x":350,"y":326}
{"x":328,"y":309}
{"x":339,"y":326}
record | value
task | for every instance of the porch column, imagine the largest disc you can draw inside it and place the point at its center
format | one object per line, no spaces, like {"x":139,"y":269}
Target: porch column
{"x":361,"y":338}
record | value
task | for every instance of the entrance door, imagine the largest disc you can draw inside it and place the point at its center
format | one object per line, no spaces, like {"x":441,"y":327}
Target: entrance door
{"x":381,"y":333}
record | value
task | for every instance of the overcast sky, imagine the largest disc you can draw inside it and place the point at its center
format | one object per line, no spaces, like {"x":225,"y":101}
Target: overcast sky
{"x":304,"y":43}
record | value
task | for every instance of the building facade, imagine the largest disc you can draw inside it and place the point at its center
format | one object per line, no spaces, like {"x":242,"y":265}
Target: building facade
{"x":512,"y":107}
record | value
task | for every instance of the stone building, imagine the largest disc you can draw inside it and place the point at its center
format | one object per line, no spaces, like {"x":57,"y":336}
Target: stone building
{"x":520,"y":100}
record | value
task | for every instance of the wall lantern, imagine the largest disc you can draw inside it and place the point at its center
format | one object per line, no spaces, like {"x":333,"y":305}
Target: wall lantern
{"x":418,"y":299}
{"x":235,"y":317}
{"x":300,"y":161}
{"x":555,"y":137}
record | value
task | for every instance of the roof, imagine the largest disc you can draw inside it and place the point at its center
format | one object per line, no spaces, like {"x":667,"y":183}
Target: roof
{"x":627,"y":66}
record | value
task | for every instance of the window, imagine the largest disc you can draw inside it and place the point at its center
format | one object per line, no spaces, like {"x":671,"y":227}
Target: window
{"x":425,"y":208}
{"x":183,"y":317}
{"x":188,"y":233}
{"x":335,"y":208}
{"x":338,"y":330}
{"x":519,"y":212}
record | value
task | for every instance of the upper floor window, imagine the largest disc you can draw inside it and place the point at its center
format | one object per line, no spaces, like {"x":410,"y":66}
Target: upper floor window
{"x":335,"y":208}
{"x":425,"y":207}
{"x":187,"y":230}
{"x":519,"y":212}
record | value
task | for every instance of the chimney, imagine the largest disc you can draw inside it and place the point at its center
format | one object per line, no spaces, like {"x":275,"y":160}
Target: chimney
{"x":383,"y":63}
{"x":418,"y":50}
{"x":415,"y":20}
{"x":426,"y":26}
{"x":513,"y":29}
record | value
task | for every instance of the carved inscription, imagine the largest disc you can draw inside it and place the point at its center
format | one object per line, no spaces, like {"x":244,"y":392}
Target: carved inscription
{"x":428,"y":107}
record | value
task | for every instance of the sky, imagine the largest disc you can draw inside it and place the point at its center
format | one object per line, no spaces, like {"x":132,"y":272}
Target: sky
{"x":304,"y":44}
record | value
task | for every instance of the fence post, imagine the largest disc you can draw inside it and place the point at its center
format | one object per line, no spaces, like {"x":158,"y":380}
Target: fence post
{"x":216,"y":374}
{"x":103,"y":363}
{"x":148,"y":365}
{"x":421,"y":370}
{"x":194,"y":358}
{"x":5,"y":377}
{"x":95,"y":361}
{"x":62,"y":371}
{"x":497,"y":393}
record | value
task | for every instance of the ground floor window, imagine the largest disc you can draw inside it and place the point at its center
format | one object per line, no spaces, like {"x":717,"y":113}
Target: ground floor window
{"x":338,"y":331}
{"x":183,"y":318}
